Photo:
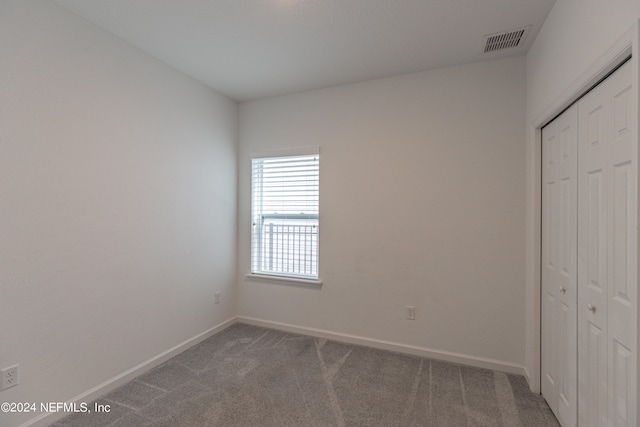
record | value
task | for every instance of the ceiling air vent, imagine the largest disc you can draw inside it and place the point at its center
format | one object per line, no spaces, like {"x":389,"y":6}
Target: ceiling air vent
{"x":505,"y":39}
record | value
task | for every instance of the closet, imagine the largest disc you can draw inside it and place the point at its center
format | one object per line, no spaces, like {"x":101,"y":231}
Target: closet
{"x":589,"y":257}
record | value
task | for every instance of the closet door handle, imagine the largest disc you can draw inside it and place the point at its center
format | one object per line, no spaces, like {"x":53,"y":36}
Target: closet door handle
{"x":591,"y":308}
{"x":563,"y":289}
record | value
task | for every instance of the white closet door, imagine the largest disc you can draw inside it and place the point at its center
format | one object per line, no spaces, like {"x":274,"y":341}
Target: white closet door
{"x":559,"y":268}
{"x":592,"y":260}
{"x":622,"y":247}
{"x":607,"y":185}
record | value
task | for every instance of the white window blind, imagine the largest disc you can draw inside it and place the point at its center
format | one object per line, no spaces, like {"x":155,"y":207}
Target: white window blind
{"x":285,"y":228}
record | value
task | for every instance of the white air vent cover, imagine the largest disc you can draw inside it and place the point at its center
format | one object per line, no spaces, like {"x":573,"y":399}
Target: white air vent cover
{"x":505,"y":39}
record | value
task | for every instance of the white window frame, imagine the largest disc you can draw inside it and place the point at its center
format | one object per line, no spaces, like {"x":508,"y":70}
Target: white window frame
{"x":257,"y":222}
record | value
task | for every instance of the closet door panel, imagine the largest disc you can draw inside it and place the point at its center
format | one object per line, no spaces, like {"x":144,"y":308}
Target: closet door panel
{"x":593,"y":189}
{"x":622,"y":294}
{"x":549,"y":266}
{"x":559,"y":275}
{"x":607,"y":242}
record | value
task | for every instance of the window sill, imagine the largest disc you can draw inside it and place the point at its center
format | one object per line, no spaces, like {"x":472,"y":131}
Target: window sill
{"x":315,"y":283}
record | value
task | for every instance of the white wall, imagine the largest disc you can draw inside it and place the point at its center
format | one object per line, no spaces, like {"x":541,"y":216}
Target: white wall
{"x":575,"y":36}
{"x":421,"y":203}
{"x":117,"y":205}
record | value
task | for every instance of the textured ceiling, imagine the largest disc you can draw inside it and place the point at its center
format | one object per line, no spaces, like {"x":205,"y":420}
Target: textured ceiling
{"x":250,"y":49}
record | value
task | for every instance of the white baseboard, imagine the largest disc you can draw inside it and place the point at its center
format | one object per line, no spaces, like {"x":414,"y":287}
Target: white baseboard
{"x":128,"y":375}
{"x":463,"y":359}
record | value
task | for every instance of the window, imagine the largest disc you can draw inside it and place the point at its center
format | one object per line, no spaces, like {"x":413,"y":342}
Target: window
{"x":284,"y":211}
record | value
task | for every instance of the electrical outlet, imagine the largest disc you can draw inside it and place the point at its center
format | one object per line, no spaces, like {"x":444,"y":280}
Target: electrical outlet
{"x":9,"y":377}
{"x":411,"y":312}
{"x":217,"y":297}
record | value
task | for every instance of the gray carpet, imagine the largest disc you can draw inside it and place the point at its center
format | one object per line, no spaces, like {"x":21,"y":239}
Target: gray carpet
{"x":250,"y":376}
